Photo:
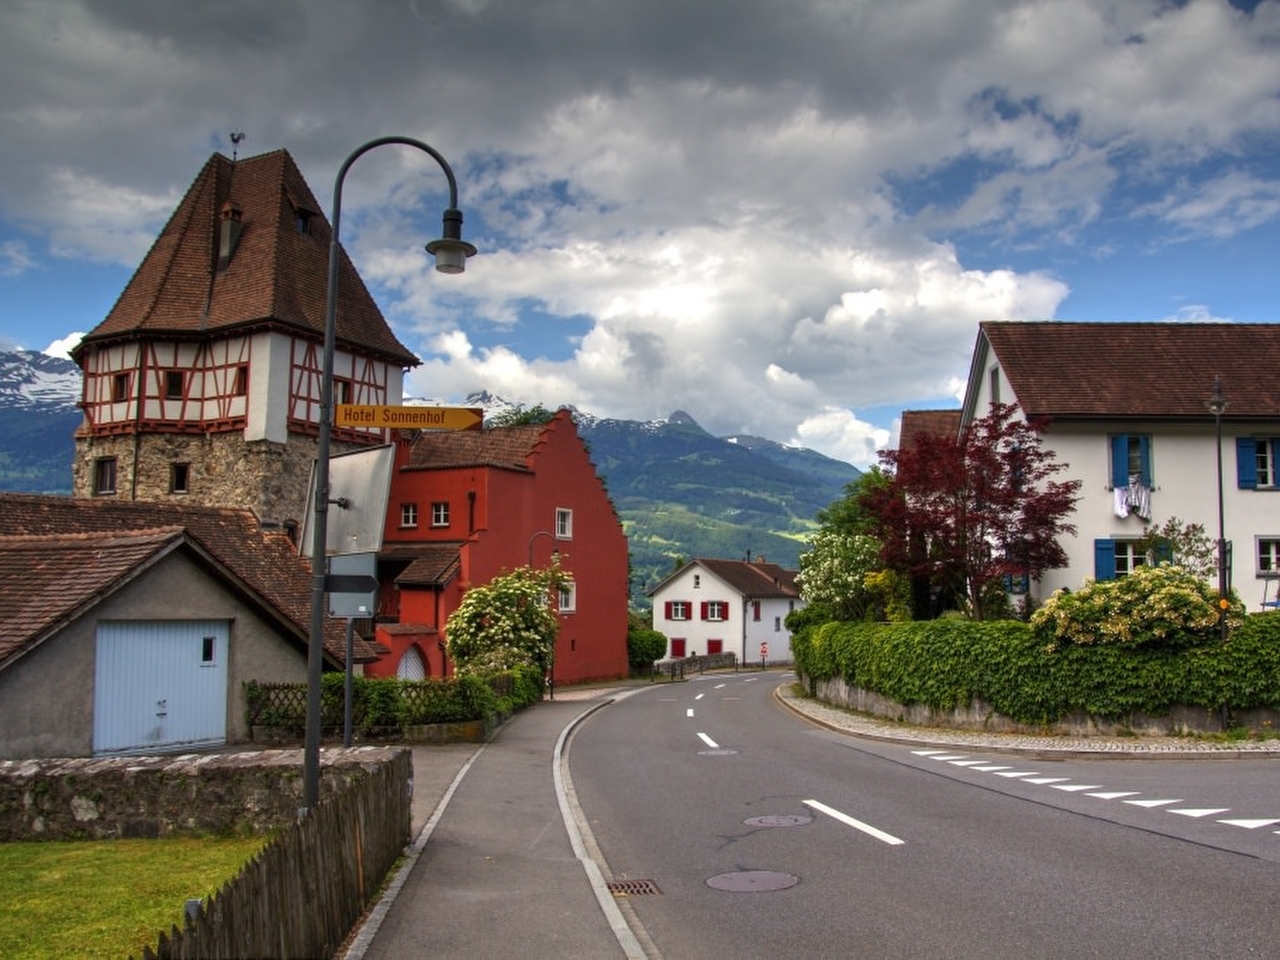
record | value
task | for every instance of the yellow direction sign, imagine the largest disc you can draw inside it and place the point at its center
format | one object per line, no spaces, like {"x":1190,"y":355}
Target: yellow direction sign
{"x":409,"y":418}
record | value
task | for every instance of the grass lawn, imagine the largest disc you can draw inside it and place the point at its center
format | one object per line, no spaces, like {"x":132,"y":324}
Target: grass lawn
{"x":107,"y":898}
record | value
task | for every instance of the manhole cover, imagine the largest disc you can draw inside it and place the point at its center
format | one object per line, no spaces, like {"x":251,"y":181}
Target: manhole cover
{"x":778,"y":820}
{"x":633,"y":888}
{"x":752,"y":881}
{"x":716,"y":753}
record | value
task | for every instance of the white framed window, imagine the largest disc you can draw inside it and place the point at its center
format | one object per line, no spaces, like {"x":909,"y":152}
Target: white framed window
{"x":715,"y":610}
{"x":564,"y":523}
{"x":1129,"y":556}
{"x":440,"y":513}
{"x":678,"y":610}
{"x":568,"y":597}
{"x":408,"y":515}
{"x":1257,"y":463}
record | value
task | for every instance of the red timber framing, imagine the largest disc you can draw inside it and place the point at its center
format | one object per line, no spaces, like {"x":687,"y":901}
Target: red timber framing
{"x":360,"y":380}
{"x":167,"y":387}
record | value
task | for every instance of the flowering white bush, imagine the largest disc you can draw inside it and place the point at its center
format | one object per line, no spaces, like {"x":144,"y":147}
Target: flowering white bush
{"x":1163,"y":604}
{"x":505,"y":623}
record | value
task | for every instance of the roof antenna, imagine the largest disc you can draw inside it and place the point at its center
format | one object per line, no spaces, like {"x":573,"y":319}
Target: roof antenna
{"x":237,"y":138}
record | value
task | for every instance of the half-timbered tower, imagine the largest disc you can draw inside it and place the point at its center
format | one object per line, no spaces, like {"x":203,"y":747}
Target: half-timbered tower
{"x":203,"y":382}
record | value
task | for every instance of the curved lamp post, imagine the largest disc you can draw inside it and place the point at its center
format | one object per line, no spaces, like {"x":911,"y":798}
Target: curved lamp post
{"x":450,"y":253}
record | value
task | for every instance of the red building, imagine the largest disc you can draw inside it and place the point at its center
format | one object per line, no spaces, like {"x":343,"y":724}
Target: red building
{"x":466,"y":506}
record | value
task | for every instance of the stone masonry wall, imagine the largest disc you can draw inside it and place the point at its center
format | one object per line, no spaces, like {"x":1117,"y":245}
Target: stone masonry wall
{"x":237,"y":793}
{"x":271,"y":479}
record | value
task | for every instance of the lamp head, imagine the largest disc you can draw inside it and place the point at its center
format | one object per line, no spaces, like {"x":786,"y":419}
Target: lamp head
{"x":451,"y":251}
{"x":1217,"y":404}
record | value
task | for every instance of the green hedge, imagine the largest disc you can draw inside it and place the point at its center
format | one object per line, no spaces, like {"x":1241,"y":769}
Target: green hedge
{"x":944,"y":664}
{"x":389,"y":703}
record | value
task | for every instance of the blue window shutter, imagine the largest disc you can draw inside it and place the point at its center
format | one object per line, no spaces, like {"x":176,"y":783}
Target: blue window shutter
{"x":1120,"y":460}
{"x":1144,"y":457}
{"x":1104,"y":559}
{"x":1246,"y":463}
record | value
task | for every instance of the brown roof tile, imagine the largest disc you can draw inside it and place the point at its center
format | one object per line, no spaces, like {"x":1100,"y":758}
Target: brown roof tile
{"x":263,"y":564}
{"x":1158,"y":370}
{"x":276,"y":278}
{"x":753,"y":578}
{"x":509,"y":447}
{"x":920,"y":424}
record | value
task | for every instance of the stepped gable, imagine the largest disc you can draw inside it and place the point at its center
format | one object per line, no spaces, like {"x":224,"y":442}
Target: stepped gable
{"x":1161,"y":370}
{"x":262,"y":564}
{"x":274,"y":277}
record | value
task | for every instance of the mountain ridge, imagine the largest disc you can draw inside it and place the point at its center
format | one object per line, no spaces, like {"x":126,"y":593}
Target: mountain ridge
{"x":679,"y":491}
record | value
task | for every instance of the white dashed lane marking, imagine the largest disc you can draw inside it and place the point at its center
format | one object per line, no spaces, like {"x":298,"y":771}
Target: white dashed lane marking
{"x":1095,"y":790}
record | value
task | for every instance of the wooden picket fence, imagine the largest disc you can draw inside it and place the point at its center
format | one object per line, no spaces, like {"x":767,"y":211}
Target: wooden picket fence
{"x":303,"y":893}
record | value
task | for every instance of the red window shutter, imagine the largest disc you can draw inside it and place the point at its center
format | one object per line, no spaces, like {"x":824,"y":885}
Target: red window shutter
{"x":677,"y":646}
{"x":667,"y":610}
{"x":756,"y":606}
{"x":704,"y":609}
{"x":715,"y":646}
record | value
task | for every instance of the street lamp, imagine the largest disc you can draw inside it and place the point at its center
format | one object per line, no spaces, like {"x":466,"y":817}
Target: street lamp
{"x":450,"y":253}
{"x":1217,"y":405}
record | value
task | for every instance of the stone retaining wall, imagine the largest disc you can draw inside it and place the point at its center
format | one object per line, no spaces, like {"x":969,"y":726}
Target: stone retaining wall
{"x":981,"y":716}
{"x":251,"y":792}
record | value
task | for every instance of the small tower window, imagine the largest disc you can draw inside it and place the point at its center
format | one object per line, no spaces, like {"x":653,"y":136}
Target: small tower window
{"x":241,"y":385}
{"x":341,"y":390}
{"x":440,"y":513}
{"x":408,"y":514}
{"x":104,"y":476}
{"x":120,"y":387}
{"x":179,"y":477}
{"x":174,"y":383}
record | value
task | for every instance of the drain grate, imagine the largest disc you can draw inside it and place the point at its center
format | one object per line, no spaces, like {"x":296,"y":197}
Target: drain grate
{"x":633,"y":888}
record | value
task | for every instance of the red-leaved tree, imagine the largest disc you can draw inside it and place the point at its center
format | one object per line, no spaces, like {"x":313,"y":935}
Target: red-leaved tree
{"x":963,"y":512}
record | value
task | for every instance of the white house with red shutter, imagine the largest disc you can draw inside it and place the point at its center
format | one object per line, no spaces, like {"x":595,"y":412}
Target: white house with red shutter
{"x":727,"y":606}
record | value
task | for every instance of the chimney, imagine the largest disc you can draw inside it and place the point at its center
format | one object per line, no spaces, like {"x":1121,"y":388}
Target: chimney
{"x":229,"y":234}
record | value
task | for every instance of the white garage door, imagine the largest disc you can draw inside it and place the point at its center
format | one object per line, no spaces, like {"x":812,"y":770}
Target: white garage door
{"x":160,"y":685}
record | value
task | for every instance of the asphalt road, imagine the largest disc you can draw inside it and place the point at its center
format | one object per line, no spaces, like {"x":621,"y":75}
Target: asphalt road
{"x":745,"y":831}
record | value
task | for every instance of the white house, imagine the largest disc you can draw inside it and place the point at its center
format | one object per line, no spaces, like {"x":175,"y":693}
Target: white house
{"x":1127,"y":408}
{"x":727,"y":606}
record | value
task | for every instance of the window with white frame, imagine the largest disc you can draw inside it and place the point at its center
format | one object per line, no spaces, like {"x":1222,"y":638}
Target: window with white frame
{"x":408,"y":514}
{"x":678,"y":610}
{"x":568,"y":597}
{"x":1268,"y":555}
{"x":1117,"y":558}
{"x":1256,"y":463}
{"x":440,"y":513}
{"x":715,"y":610}
{"x":564,"y":523}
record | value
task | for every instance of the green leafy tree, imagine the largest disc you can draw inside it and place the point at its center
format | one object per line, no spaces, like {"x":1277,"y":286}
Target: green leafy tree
{"x":1185,"y":544}
{"x":506,"y":623}
{"x":644,"y":644}
{"x":521,"y":417}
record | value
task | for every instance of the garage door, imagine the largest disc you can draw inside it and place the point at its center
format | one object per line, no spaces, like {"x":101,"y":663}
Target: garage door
{"x":160,"y":685}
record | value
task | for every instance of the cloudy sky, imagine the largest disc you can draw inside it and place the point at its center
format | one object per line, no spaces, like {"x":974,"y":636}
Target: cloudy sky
{"x":785,"y":217}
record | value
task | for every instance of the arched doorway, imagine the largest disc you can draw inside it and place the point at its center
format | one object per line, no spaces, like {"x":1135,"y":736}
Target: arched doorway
{"x":411,"y":666}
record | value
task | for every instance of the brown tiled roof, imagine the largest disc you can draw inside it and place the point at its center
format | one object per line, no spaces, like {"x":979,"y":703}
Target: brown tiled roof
{"x":277,"y":276}
{"x":432,"y":565}
{"x":753,"y":578}
{"x":262,"y":565}
{"x":508,"y":447}
{"x":920,"y":424}
{"x":1156,"y":370}
{"x":47,"y":581}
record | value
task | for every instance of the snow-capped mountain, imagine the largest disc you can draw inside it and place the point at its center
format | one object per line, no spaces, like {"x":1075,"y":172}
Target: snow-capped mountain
{"x":680,"y":491}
